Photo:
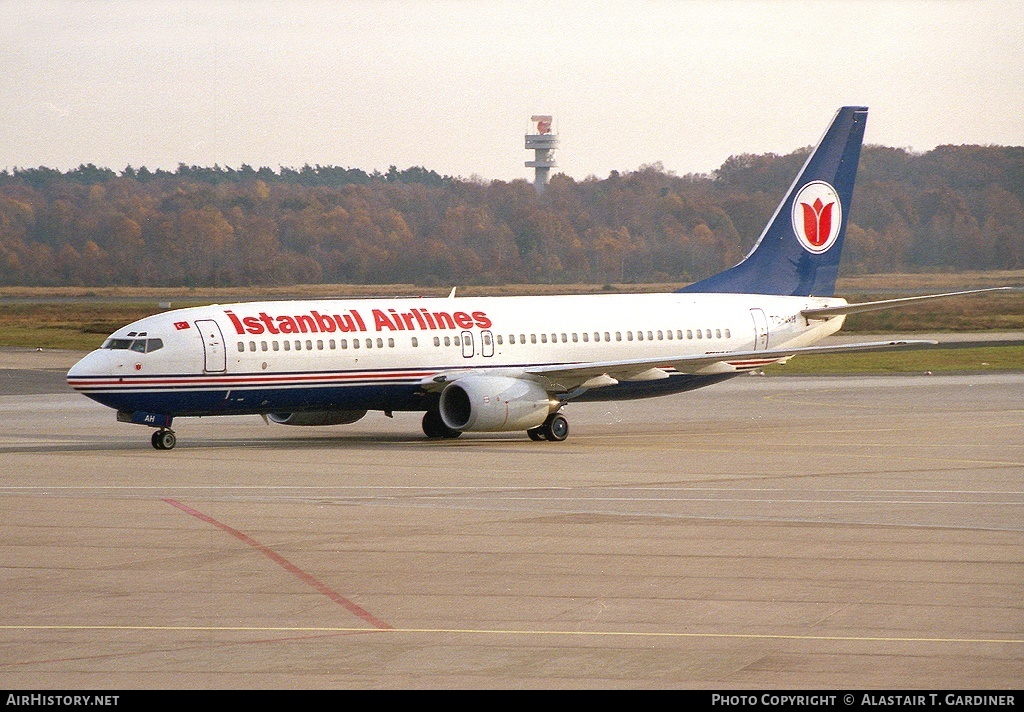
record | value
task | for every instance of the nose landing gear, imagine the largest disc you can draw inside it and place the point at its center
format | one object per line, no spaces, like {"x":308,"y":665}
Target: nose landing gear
{"x":164,"y":439}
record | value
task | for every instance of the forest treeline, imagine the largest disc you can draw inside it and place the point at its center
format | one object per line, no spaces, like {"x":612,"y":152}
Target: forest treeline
{"x":952,"y":208}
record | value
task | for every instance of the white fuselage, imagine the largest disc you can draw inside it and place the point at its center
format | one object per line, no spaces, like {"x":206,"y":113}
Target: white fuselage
{"x":264,"y":357}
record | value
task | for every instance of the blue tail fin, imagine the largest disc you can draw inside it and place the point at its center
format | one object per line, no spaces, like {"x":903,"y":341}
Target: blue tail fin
{"x":798,"y":252}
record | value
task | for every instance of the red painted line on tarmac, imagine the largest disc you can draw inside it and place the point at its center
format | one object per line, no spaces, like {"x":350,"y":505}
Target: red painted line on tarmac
{"x":286,"y":565}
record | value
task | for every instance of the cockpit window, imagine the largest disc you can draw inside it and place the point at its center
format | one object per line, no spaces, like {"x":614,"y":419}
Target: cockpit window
{"x":142,"y":346}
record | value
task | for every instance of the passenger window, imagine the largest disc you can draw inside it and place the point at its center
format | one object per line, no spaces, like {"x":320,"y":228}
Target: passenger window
{"x":543,"y":338}
{"x":319,"y":345}
{"x":344,"y":344}
{"x":415,"y":342}
{"x":369,"y":343}
{"x":263,"y":346}
{"x":276,"y":346}
{"x":252,"y":345}
{"x":499,"y":340}
{"x":298,"y":345}
{"x":447,"y":341}
{"x":457,"y":340}
{"x":708,"y":333}
{"x":700,"y":334}
{"x":586,"y":337}
{"x":380,"y":343}
{"x":511,"y":339}
{"x":533,"y":338}
{"x":437,"y":341}
{"x":728,"y":334}
{"x":287,"y":345}
{"x":629,"y":336}
{"x":575,"y":338}
{"x":679,"y":334}
{"x":607,"y":336}
{"x":618,"y":336}
{"x":689,"y":333}
{"x":391,"y":343}
{"x":661,"y":337}
{"x":154,"y":345}
{"x":355,"y":343}
{"x":333,"y":344}
{"x":522,"y":338}
{"x":718,"y":333}
{"x":564,"y":339}
{"x":241,"y":347}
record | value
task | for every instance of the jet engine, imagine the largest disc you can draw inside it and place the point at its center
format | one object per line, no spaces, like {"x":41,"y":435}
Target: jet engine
{"x":494,"y":403}
{"x":318,"y":417}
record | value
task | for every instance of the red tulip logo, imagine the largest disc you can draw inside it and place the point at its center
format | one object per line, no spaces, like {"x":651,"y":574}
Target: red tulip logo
{"x":817,"y":215}
{"x":817,"y":221}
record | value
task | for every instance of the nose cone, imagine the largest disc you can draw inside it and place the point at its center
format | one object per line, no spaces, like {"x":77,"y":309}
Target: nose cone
{"x":93,"y":366}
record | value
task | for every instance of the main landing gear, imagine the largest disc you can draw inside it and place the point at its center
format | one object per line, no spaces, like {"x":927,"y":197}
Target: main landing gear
{"x":555,"y":429}
{"x":434,"y":427}
{"x":163,"y":439}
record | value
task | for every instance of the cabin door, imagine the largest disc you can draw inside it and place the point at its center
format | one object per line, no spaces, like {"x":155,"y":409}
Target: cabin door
{"x":467,"y":344}
{"x":760,"y":329}
{"x":486,"y":343}
{"x":213,"y":346}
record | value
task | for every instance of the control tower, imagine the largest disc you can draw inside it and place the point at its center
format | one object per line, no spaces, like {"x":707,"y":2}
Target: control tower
{"x":543,"y":143}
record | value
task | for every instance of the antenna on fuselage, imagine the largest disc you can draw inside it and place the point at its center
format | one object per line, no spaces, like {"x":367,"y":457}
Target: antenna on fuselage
{"x":451,"y":295}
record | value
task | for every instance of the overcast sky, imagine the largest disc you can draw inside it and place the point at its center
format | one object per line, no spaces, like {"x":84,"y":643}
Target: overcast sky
{"x":450,"y":85}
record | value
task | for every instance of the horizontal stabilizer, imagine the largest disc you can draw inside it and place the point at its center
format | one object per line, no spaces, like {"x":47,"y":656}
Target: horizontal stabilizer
{"x":826,"y":312}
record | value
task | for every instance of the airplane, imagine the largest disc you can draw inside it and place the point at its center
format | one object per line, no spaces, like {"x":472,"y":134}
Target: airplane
{"x":499,"y":364}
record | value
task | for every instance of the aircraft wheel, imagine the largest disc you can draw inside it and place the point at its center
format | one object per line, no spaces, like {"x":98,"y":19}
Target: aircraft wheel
{"x":432,"y":424}
{"x":164,"y":440}
{"x":434,"y":427}
{"x":556,"y":428}
{"x":536,"y":434}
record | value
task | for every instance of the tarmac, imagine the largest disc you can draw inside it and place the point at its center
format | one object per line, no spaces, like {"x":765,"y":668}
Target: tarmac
{"x":767,"y":532}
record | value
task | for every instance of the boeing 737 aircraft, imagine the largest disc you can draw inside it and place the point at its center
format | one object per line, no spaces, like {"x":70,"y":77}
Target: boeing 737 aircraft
{"x":492,"y":364}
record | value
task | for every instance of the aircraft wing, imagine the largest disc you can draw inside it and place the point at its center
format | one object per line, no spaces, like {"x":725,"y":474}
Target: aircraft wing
{"x":569,"y":376}
{"x":575,"y":375}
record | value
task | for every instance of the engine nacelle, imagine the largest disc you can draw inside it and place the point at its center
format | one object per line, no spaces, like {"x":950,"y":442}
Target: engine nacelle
{"x":493,"y":404}
{"x":318,"y":417}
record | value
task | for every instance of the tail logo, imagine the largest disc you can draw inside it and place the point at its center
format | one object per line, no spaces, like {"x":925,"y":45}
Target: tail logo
{"x":817,"y":216}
